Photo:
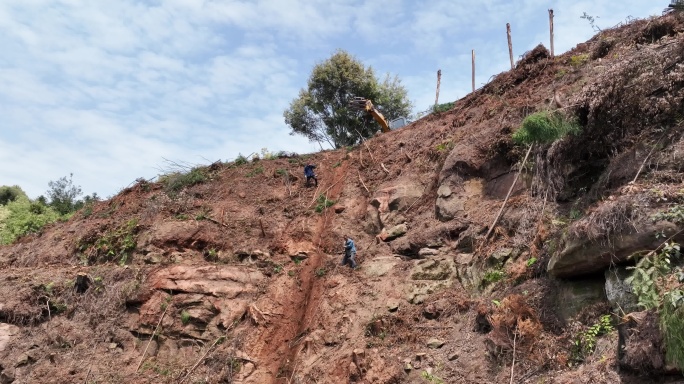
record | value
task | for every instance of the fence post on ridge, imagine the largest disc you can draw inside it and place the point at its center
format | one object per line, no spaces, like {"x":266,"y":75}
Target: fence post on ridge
{"x":473,"y":54}
{"x":510,"y":45}
{"x":551,"y":29}
{"x":439,"y":77}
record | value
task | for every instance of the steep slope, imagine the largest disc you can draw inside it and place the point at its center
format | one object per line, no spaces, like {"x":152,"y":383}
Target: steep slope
{"x":237,"y":278}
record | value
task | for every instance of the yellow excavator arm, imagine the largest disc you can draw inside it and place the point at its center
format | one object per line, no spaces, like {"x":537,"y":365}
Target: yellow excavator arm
{"x":366,"y":105}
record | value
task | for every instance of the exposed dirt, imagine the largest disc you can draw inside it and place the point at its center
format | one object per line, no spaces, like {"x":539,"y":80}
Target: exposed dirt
{"x":238,"y":279}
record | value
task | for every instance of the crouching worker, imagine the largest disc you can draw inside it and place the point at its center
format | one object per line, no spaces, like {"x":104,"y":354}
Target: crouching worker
{"x":349,"y":252}
{"x":309,"y":173}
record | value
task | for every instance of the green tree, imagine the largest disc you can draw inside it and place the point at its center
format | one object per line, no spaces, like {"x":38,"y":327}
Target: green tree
{"x":63,"y":195}
{"x":321,"y":111}
{"x":9,"y":194}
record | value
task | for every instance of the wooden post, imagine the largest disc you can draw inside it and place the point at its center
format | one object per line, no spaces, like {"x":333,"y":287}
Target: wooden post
{"x":473,"y":54}
{"x":439,"y":77}
{"x":510,"y":45}
{"x":551,"y":29}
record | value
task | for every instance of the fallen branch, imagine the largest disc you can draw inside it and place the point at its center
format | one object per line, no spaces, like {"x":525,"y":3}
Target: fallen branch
{"x":510,"y":190}
{"x":152,"y":337}
{"x":515,"y":334}
{"x":384,"y":169}
{"x":263,"y":232}
{"x":216,"y":222}
{"x":646,"y":159}
{"x":201,"y":358}
{"x":362,"y":183}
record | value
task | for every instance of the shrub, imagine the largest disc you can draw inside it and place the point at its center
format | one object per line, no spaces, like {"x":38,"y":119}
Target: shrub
{"x":545,"y":127}
{"x":175,"y":182}
{"x":240,"y":159}
{"x":22,"y":217}
{"x":322,"y":203}
{"x":442,"y":107}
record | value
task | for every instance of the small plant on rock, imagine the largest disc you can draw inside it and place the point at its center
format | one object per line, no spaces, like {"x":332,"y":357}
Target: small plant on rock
{"x":185,"y":317}
{"x":322,"y":203}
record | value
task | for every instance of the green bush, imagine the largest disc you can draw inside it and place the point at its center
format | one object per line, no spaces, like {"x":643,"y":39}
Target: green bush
{"x":21,"y":217}
{"x":240,"y":159}
{"x":545,"y":127}
{"x":175,"y":182}
{"x":442,"y":107}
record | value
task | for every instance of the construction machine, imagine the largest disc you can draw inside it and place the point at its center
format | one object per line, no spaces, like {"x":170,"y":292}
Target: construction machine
{"x":366,"y":105}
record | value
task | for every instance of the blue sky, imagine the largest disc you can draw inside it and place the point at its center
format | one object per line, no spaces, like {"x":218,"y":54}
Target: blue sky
{"x":107,"y":90}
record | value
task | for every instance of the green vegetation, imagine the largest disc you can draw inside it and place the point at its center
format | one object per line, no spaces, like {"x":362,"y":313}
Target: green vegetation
{"x":446,"y":145}
{"x":442,"y":107}
{"x":545,"y":127}
{"x":266,"y":155}
{"x":259,"y":169}
{"x":185,"y":317}
{"x":320,"y":272}
{"x":578,"y":60}
{"x":585,"y":343}
{"x":22,"y":216}
{"x":322,"y":203}
{"x":651,"y":282}
{"x":674,"y":214}
{"x":429,"y":377}
{"x":114,"y":245}
{"x":530,"y":262}
{"x":177,"y":181}
{"x":321,"y":111}
{"x":492,"y":276}
{"x":240,"y":159}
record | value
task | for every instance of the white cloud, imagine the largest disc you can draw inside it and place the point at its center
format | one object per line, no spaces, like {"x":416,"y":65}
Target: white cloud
{"x":106,"y":90}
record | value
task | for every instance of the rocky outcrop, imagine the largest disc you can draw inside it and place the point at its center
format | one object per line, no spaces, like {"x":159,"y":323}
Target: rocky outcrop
{"x":583,"y":256}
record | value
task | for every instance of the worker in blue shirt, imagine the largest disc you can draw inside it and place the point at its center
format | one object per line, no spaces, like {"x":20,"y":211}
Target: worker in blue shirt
{"x":349,"y":252}
{"x":309,"y":173}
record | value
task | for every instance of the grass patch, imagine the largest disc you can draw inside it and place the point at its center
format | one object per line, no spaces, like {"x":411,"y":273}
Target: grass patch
{"x":545,"y":127}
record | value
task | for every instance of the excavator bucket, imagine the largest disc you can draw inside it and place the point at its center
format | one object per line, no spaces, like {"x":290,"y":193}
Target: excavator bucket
{"x":358,"y":103}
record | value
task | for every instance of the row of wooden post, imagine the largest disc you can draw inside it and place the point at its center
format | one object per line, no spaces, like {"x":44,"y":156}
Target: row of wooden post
{"x":510,"y":54}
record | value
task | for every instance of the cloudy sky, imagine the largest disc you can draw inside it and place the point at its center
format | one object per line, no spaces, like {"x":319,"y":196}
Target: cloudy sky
{"x":110,"y":90}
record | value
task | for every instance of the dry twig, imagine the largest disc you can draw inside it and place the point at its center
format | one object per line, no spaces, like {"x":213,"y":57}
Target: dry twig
{"x":152,"y":337}
{"x":510,"y":190}
{"x":362,"y":183}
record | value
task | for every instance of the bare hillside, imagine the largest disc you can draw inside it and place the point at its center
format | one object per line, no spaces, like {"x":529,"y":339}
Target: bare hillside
{"x":233,"y":276}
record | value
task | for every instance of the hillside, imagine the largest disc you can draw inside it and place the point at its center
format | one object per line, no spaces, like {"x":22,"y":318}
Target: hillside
{"x":230,"y":273}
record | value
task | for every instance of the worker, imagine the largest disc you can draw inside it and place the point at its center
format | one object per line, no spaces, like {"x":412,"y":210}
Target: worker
{"x":349,"y":252}
{"x":309,"y":173}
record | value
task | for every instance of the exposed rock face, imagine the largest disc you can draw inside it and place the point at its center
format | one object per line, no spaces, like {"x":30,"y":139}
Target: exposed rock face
{"x":209,"y":294}
{"x":7,"y":332}
{"x":583,"y":256}
{"x":388,"y":202}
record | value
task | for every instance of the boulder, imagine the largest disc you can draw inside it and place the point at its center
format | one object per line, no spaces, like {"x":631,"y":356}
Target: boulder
{"x":574,"y":295}
{"x":435,"y":343}
{"x":398,"y":196}
{"x":619,"y":293}
{"x":393,"y":233}
{"x":582,"y":256}
{"x":7,"y":333}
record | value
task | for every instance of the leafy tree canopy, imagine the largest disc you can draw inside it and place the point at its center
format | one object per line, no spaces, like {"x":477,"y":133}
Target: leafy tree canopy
{"x":9,"y":194}
{"x":321,"y":111}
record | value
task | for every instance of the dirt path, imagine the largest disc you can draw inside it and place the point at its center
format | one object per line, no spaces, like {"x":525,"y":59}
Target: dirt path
{"x":278,"y":345}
